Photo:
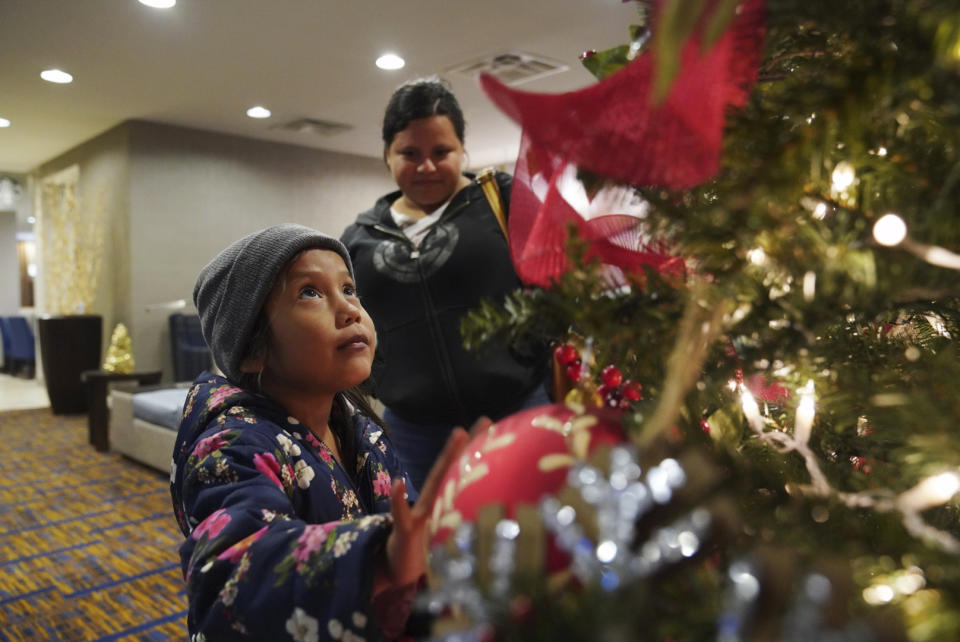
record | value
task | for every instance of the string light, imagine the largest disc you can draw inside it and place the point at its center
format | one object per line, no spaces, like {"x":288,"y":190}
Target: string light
{"x":806,"y":411}
{"x":934,"y":255}
{"x":751,"y":410}
{"x":878,"y":594}
{"x":889,"y":230}
{"x":820,"y":211}
{"x":809,"y":286}
{"x":843,"y":176}
{"x":757,"y":256}
{"x":932,"y":491}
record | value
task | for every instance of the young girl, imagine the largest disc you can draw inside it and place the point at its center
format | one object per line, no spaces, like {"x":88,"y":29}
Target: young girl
{"x":290,"y":496}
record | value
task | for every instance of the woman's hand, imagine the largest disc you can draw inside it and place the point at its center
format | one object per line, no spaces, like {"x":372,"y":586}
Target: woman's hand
{"x":407,"y":544}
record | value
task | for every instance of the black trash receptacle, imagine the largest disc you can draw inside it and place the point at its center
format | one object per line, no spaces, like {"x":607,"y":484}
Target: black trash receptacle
{"x":69,"y":345}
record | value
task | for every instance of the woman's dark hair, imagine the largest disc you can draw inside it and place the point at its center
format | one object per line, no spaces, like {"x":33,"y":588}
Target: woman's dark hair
{"x":420,"y":98}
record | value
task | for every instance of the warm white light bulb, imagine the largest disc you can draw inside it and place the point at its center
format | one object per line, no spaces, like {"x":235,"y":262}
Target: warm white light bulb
{"x":932,"y":491}
{"x":751,"y":410}
{"x":878,"y":594}
{"x":390,"y":62}
{"x":843,"y":176}
{"x":258,"y":112}
{"x":889,"y":230}
{"x":809,"y":286}
{"x":56,"y":75}
{"x":757,"y":256}
{"x":806,"y":411}
{"x":820,"y":211}
{"x":4,"y":122}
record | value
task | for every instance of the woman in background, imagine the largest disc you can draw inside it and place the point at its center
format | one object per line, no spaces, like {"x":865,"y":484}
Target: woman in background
{"x":424,"y":256}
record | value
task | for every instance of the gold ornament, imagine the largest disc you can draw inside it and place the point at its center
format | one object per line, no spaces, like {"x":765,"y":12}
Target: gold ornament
{"x":119,"y":357}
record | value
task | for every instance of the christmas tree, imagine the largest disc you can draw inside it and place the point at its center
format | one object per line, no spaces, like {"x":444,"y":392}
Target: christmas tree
{"x":801,"y":362}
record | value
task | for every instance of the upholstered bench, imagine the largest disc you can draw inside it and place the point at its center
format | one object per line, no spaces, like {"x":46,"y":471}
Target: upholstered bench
{"x":144,"y":422}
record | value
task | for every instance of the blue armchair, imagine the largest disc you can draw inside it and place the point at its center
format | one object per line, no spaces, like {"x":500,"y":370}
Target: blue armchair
{"x":19,"y":351}
{"x":6,"y":341}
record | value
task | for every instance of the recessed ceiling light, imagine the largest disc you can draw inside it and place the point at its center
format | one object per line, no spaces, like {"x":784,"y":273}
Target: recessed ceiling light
{"x":31,"y":220}
{"x":4,"y":122}
{"x":159,"y":4}
{"x":390,"y":61}
{"x":57,"y":76}
{"x":258,"y":112}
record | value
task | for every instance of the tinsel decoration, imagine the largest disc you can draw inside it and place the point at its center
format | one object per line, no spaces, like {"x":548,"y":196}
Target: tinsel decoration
{"x":622,"y":527}
{"x":593,"y":519}
{"x":119,"y":357}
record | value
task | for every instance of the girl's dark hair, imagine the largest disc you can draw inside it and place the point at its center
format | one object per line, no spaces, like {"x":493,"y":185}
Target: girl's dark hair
{"x":420,"y":98}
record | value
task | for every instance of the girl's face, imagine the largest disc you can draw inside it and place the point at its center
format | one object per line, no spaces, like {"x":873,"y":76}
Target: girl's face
{"x":321,"y":338}
{"x":426,"y":160}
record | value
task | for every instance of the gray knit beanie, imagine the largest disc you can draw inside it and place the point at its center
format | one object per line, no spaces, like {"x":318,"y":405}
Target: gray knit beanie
{"x":233,"y":287}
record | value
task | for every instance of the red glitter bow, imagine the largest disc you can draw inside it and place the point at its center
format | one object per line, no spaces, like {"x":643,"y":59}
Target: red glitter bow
{"x":614,"y":129}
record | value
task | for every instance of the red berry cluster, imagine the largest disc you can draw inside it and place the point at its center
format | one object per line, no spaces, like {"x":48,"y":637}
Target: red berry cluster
{"x":568,"y":357}
{"x":614,"y":390}
{"x":861,"y":464}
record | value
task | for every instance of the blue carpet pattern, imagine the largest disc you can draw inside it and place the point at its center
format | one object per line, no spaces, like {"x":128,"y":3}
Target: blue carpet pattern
{"x":88,"y":541}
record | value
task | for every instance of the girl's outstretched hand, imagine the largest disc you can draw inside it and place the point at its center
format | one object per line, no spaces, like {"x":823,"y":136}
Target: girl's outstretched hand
{"x":407,"y":544}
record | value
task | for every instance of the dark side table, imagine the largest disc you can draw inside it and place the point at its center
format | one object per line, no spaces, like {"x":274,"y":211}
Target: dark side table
{"x":96,"y":382}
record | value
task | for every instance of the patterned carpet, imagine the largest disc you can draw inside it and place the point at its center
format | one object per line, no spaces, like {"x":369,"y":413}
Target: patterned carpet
{"x":88,"y":542}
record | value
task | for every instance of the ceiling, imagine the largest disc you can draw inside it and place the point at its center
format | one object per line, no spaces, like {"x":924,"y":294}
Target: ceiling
{"x":202,"y":63}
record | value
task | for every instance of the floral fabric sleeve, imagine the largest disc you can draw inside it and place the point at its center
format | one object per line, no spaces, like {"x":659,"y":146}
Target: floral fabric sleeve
{"x":253,"y":569}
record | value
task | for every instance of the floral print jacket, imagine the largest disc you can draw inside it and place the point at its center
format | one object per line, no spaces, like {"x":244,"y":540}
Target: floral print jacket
{"x":280,"y":540}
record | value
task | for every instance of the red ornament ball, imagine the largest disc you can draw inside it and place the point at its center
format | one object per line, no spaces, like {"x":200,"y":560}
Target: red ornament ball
{"x":611,"y":376}
{"x":632,"y":390}
{"x":519,"y":460}
{"x":573,"y":371}
{"x":566,"y":354}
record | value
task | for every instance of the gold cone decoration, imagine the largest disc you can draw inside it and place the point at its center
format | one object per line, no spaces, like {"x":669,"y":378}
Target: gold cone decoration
{"x":119,"y":357}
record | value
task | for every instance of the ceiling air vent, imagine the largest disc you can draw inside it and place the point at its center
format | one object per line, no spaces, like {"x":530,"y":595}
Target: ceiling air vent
{"x":511,"y":68}
{"x":313,"y":126}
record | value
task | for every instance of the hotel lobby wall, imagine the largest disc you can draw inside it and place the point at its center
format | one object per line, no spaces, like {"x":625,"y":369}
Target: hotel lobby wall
{"x":180,"y":195}
{"x":9,"y":267}
{"x":101,"y":169}
{"x":193,"y":192}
